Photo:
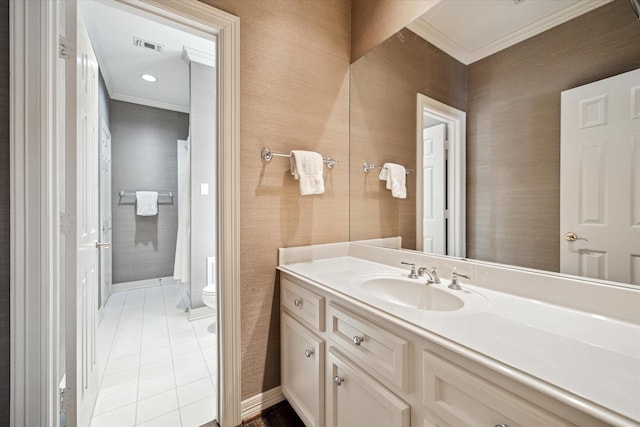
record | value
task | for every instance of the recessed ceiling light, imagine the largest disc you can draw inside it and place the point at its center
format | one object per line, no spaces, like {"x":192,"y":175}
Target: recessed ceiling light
{"x":149,"y":78}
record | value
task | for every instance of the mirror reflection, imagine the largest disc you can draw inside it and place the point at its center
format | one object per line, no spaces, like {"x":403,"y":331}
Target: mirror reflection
{"x":513,"y":188}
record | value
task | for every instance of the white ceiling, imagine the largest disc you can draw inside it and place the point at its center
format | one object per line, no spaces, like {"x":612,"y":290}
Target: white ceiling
{"x":470,"y":30}
{"x":112,"y":29}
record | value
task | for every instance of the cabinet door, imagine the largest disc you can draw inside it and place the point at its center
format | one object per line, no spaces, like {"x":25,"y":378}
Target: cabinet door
{"x":459,"y":398}
{"x":303,"y":371}
{"x":356,"y":399}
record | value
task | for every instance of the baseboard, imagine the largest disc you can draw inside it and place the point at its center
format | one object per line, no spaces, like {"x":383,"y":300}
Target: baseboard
{"x":147,"y":283}
{"x":255,"y":405}
{"x":201,"y":313}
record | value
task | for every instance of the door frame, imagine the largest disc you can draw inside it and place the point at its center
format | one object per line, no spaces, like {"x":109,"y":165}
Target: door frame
{"x":35,"y":222}
{"x":456,"y":121}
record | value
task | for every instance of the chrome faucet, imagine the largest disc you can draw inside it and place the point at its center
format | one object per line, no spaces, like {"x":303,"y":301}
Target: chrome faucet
{"x":454,"y":279}
{"x":433,"y":275}
{"x":412,"y":274}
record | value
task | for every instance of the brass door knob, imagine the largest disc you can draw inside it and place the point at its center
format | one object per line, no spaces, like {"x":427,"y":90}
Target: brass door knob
{"x":570,"y":236}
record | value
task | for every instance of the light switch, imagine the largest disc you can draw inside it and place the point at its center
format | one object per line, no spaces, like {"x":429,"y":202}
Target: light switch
{"x":204,"y":188}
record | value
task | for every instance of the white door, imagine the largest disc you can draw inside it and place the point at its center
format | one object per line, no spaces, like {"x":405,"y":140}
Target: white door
{"x":434,"y":190}
{"x":105,"y":212}
{"x":600,"y":179}
{"x":81,"y":222}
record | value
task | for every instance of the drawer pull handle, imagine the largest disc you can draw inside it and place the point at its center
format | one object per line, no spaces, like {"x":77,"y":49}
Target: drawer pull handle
{"x":308,"y":352}
{"x":357,"y":340}
{"x":338,"y":380}
{"x":297,"y":302}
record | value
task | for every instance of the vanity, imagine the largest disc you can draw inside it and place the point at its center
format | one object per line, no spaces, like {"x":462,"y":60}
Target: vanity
{"x":363,"y":344}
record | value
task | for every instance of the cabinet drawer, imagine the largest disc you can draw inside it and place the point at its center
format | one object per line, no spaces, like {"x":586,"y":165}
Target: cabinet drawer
{"x":303,"y":304}
{"x":378,"y":350}
{"x":459,"y":398}
{"x":303,"y":371}
{"x":356,"y":399}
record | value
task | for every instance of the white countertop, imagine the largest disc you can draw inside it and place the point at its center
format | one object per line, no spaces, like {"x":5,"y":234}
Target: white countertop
{"x":593,"y":357}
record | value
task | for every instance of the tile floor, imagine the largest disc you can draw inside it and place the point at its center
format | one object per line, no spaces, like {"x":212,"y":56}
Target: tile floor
{"x":156,"y":367}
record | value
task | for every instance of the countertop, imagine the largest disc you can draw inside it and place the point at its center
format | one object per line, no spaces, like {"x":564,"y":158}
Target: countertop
{"x":590,"y":356}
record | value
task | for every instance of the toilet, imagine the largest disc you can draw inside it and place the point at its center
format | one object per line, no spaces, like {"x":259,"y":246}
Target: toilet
{"x":209,"y":292}
{"x":209,"y":297}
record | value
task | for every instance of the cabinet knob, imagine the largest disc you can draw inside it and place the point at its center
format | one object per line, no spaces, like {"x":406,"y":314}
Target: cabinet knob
{"x":338,"y":380}
{"x":308,"y":352}
{"x":502,"y":425}
{"x":297,"y":302}
{"x":358,"y":340}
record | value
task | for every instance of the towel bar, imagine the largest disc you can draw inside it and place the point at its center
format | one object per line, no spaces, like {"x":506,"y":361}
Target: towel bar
{"x":123,"y":193}
{"x":267,"y":155}
{"x":366,"y":167}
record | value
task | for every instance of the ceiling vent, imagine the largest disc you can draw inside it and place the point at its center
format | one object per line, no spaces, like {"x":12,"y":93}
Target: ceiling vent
{"x":147,"y":45}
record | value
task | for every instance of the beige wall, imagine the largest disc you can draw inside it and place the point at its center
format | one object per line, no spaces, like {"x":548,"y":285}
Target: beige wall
{"x":383,"y":96}
{"x":374,"y":21}
{"x":513,"y":131}
{"x":294,"y":83}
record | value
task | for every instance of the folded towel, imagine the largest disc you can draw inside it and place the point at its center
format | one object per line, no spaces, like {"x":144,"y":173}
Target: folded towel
{"x":147,"y":203}
{"x":396,"y":177}
{"x":307,"y":167}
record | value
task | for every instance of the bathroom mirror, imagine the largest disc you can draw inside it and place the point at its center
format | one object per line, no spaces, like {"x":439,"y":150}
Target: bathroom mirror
{"x":512,"y":104}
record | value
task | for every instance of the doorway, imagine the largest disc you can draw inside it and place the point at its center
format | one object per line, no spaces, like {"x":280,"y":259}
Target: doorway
{"x":440,"y":170}
{"x":154,"y":347}
{"x":35,"y":354}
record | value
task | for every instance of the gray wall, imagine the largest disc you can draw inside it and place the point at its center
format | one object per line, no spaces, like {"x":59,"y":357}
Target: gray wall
{"x":203,"y":170}
{"x":4,"y":215}
{"x":144,"y":157}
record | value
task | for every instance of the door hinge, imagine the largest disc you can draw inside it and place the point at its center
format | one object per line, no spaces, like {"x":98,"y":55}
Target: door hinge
{"x":65,"y":399}
{"x":65,"y":49}
{"x":65,"y":223}
{"x":446,"y":214}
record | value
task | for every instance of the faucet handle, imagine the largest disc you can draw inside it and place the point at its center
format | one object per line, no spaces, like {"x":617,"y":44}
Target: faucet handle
{"x":412,"y":274}
{"x":455,"y":274}
{"x":454,"y":279}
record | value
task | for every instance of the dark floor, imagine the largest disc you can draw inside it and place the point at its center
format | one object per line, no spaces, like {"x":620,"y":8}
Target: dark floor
{"x":280,"y":415}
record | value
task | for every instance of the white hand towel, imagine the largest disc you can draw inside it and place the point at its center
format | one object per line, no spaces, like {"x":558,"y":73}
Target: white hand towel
{"x":146,"y":203}
{"x":396,"y":177}
{"x":307,"y":167}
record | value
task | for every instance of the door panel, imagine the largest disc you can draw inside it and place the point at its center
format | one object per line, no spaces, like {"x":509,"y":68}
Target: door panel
{"x":600,"y":179}
{"x":81,"y":222}
{"x":433,"y":190}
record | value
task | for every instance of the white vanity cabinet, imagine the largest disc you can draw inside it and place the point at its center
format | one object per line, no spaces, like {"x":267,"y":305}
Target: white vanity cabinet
{"x":356,"y":399}
{"x":347,"y":364}
{"x":303,"y":353}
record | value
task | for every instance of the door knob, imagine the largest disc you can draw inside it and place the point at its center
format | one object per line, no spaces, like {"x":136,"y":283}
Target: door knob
{"x":570,"y":236}
{"x":105,"y":245}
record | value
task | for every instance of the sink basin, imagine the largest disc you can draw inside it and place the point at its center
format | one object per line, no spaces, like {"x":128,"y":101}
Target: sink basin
{"x":407,"y":292}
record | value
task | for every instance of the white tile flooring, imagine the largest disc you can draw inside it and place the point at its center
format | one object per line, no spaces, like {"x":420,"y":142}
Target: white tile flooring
{"x":156,"y":368}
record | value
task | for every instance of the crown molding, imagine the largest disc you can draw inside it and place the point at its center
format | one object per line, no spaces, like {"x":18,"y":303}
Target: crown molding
{"x":428,"y":32}
{"x":194,"y":55}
